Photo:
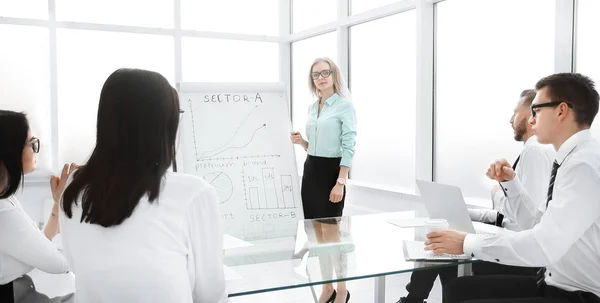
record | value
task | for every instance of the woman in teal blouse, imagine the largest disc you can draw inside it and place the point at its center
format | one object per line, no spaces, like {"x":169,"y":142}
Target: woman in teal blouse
{"x":331,"y":134}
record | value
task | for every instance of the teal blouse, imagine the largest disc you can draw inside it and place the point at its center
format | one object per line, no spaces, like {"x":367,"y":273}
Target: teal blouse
{"x":332,"y":133}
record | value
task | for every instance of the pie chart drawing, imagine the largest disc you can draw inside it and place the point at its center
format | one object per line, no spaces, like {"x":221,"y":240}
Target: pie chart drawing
{"x":222,"y":183}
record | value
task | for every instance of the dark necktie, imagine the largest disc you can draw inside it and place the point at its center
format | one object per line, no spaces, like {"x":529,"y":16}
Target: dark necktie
{"x":514,"y":166}
{"x":499,"y":216}
{"x":555,"y":167}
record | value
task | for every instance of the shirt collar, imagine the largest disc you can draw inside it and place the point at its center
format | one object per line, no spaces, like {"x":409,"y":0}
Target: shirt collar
{"x":531,"y":140}
{"x":567,"y":147}
{"x":332,"y":99}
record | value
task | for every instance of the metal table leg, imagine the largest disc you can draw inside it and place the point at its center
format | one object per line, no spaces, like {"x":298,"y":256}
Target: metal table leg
{"x":379,"y":289}
{"x":465,"y":270}
{"x":312,"y":289}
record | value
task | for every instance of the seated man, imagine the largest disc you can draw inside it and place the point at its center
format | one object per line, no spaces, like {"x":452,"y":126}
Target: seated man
{"x":533,"y":167}
{"x":564,"y":237}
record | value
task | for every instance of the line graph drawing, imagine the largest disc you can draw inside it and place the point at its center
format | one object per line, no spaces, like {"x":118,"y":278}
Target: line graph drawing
{"x":232,"y":137}
{"x":264,"y":126}
{"x":241,"y":157}
{"x":222,"y":183}
{"x":210,"y":154}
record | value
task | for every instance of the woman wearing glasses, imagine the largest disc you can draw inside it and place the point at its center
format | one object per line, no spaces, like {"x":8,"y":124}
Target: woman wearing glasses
{"x":331,"y":133}
{"x":22,"y":246}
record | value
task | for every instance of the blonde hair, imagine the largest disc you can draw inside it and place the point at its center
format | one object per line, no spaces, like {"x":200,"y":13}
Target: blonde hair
{"x":338,"y":80}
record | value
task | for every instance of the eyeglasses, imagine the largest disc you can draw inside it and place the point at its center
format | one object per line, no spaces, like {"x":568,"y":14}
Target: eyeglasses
{"x":35,"y":144}
{"x":324,"y":73}
{"x":549,"y":104}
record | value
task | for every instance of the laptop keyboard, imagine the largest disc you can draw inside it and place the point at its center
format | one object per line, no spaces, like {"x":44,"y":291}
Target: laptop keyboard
{"x":417,"y":250}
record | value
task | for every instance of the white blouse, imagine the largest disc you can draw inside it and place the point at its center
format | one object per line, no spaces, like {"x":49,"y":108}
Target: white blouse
{"x":167,"y":251}
{"x":23,"y":246}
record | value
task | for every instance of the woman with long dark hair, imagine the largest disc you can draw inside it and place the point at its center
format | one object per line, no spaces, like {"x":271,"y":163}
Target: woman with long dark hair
{"x":132,"y":231}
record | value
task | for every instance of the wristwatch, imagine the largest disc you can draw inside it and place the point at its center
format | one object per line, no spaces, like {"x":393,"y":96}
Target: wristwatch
{"x":341,"y":181}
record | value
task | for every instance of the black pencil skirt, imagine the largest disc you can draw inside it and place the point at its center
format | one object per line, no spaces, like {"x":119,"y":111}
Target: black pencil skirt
{"x":319,"y":178}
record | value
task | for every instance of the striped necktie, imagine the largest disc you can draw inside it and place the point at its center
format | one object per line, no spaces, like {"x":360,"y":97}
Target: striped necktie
{"x":555,"y":167}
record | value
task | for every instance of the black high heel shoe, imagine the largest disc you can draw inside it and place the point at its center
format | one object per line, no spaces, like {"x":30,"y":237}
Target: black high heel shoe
{"x":332,"y":298}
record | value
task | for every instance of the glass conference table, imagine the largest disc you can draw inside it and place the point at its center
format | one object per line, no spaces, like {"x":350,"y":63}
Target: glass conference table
{"x":368,"y":246}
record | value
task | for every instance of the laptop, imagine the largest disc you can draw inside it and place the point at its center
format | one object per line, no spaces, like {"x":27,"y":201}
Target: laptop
{"x":415,"y":251}
{"x":444,"y":201}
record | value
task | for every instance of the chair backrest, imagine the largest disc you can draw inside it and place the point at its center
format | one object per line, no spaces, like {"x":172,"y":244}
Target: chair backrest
{"x":7,"y":293}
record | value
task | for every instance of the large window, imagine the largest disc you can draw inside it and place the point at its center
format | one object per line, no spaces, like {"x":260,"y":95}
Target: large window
{"x":360,"y":6}
{"x":303,"y":54}
{"x":483,"y":64}
{"x":310,"y":13}
{"x":382,"y":77}
{"x":85,"y":60}
{"x":34,"y":9}
{"x":155,"y":13}
{"x":218,"y":60}
{"x":259,"y":17}
{"x":24,"y":81}
{"x":588,"y":48}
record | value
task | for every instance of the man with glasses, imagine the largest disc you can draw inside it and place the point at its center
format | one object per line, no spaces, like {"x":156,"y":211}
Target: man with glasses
{"x":532,"y":166}
{"x":565,"y":238}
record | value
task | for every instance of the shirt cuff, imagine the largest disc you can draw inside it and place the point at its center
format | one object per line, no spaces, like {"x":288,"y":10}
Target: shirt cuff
{"x":512,"y":188}
{"x":472,"y":245}
{"x":346,"y":162}
{"x":497,"y":199}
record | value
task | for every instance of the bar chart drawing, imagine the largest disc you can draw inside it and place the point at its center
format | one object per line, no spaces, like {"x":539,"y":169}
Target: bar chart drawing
{"x":264,"y":192}
{"x":287,"y":191}
{"x":268,"y":177}
{"x":254,"y":198}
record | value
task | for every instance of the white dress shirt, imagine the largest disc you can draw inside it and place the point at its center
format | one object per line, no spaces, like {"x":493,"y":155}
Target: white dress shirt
{"x":566,"y":239}
{"x":170,"y":250}
{"x":533,"y":170}
{"x":23,"y":246}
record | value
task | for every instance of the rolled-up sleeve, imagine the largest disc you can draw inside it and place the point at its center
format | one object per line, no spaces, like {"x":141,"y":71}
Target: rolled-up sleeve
{"x":348,"y":135}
